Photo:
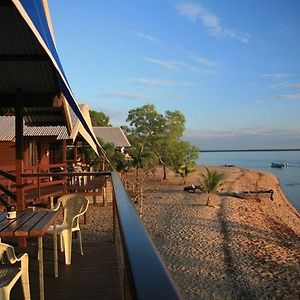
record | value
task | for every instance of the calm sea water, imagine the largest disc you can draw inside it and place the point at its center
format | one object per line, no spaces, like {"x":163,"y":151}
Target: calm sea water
{"x":289,"y":177}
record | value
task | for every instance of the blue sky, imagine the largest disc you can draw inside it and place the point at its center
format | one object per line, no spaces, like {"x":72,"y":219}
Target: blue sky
{"x":232,"y":67}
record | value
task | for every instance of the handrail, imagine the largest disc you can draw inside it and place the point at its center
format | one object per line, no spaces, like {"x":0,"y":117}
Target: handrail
{"x":148,"y":275}
{"x":8,"y":192}
{"x":60,"y":174}
{"x":8,"y":175}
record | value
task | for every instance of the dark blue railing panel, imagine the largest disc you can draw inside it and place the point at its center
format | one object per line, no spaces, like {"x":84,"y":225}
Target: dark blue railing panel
{"x":149,"y":276}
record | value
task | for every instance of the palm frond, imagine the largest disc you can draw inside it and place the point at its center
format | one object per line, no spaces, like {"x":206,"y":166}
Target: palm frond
{"x":212,"y":180}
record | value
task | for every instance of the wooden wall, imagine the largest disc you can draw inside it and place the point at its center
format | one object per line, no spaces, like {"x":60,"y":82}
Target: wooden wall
{"x":7,"y":154}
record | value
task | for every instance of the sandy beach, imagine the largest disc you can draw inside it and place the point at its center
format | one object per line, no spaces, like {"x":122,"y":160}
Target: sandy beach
{"x":239,"y":249}
{"x":234,"y":249}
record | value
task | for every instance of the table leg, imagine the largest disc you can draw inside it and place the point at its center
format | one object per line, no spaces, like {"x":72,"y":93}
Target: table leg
{"x":41,"y":267}
{"x":55,"y":251}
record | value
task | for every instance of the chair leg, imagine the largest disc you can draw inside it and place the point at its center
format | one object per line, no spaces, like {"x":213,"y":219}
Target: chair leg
{"x":80,"y":241}
{"x":4,"y":293}
{"x":25,"y":285}
{"x":25,"y":277}
{"x":61,"y":241}
{"x":67,"y":241}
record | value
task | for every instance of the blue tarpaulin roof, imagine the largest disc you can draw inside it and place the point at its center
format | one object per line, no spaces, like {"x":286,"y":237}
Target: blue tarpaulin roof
{"x":33,"y":12}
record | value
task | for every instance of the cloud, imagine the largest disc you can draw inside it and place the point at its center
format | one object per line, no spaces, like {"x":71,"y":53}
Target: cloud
{"x":147,"y":37}
{"x":126,"y":95}
{"x":285,"y":84}
{"x":281,"y":97}
{"x":279,"y":85}
{"x":179,"y":66}
{"x":294,"y":85}
{"x":160,"y":82}
{"x":275,"y":75}
{"x":168,"y":64}
{"x":295,"y":96}
{"x":196,"y":12}
{"x":244,"y":138}
{"x":248,"y":131}
{"x":202,"y":60}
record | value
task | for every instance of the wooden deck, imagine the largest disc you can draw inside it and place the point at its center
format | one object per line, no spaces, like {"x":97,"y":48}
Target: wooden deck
{"x":95,"y":275}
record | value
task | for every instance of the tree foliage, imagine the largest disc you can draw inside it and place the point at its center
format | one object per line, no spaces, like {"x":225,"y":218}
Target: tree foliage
{"x":99,"y":118}
{"x":212,"y":180}
{"x":161,"y":135}
{"x":182,"y":157}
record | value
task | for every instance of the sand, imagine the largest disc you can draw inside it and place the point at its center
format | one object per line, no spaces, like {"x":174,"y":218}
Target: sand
{"x":238,"y":249}
{"x":234,"y":249}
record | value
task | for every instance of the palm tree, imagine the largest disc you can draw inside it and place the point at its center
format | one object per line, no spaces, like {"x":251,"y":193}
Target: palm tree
{"x":184,"y":171}
{"x":212,"y":180}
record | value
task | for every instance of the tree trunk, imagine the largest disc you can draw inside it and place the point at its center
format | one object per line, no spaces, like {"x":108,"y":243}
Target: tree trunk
{"x":141,"y":199}
{"x":137,"y":175}
{"x":208,"y":199}
{"x":165,"y":171}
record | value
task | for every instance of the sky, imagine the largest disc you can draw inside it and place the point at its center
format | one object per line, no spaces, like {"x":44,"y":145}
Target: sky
{"x":231,"y":67}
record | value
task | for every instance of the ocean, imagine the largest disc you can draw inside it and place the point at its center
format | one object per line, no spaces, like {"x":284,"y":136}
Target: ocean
{"x":289,"y":177}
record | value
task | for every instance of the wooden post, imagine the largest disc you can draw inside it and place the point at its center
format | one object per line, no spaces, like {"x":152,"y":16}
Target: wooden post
{"x":75,"y":152}
{"x":64,"y":151}
{"x":64,"y":160}
{"x":19,"y":111}
{"x":39,"y":186}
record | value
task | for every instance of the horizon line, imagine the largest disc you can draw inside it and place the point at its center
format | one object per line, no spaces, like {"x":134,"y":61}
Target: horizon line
{"x":250,"y":150}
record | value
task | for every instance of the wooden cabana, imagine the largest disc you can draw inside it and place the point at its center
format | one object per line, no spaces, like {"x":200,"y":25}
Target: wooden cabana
{"x":33,"y":86}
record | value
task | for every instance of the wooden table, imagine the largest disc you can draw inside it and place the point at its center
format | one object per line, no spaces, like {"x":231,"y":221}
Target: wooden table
{"x":32,"y":224}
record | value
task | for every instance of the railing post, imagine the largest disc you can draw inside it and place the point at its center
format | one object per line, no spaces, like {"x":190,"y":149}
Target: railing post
{"x":114,"y":217}
{"x":39,"y":185}
{"x":105,"y":188}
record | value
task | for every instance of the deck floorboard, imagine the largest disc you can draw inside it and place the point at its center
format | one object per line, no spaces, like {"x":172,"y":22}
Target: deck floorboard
{"x":95,"y":275}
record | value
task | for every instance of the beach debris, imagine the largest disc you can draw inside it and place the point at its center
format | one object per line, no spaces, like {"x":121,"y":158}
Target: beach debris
{"x":193,"y":188}
{"x":229,"y":165}
{"x":259,"y":194}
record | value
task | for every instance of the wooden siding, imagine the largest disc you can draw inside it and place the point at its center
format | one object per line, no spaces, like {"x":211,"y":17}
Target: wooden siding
{"x":7,"y":154}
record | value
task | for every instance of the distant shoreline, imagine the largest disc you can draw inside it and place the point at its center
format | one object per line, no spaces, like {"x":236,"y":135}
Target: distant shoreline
{"x":250,"y":150}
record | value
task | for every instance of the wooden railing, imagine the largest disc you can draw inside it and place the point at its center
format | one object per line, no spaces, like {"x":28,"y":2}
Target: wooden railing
{"x":7,"y":185}
{"x":8,"y":179}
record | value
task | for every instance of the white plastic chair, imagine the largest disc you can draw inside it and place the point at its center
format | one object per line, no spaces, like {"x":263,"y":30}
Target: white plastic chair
{"x":74,"y":206}
{"x":10,"y":274}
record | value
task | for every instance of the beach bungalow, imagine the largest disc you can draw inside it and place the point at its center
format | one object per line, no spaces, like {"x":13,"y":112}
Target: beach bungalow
{"x":45,"y":150}
{"x":34,"y":89}
{"x":112,"y":135}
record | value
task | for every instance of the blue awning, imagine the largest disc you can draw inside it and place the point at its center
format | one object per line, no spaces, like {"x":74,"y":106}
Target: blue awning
{"x":33,"y":12}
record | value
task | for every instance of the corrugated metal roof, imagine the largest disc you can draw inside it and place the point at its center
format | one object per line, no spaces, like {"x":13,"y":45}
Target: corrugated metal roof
{"x":114,"y":135}
{"x":7,"y":129}
{"x":77,"y":127}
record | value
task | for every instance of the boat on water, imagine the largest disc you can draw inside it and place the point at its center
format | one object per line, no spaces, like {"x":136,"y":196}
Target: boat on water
{"x":279,"y":165}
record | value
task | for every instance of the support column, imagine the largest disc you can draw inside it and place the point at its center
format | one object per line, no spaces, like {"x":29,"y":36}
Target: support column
{"x":64,"y":151}
{"x":64,"y":160}
{"x":19,"y":113}
{"x":75,"y":152}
